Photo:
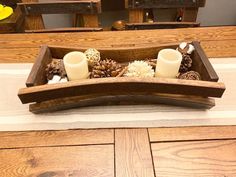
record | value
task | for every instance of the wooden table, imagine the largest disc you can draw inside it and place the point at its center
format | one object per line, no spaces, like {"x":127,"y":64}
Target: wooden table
{"x":145,"y":152}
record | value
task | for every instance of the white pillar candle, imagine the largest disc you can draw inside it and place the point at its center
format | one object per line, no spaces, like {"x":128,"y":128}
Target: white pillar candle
{"x":168,"y":63}
{"x":76,"y":65}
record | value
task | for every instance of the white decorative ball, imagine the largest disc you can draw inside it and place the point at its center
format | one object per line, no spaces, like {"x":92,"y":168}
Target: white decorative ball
{"x":54,"y":80}
{"x":191,"y":49}
{"x":93,"y":56}
{"x":63,"y":80}
{"x":185,"y":48}
{"x":139,"y":69}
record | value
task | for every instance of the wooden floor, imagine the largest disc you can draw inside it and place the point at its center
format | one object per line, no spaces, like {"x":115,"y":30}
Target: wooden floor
{"x":154,"y":152}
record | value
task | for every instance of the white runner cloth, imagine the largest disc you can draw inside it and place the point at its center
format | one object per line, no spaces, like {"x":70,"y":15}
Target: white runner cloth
{"x":15,"y":116}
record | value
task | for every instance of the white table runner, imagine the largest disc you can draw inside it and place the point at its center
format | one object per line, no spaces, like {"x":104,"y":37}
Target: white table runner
{"x":15,"y":116}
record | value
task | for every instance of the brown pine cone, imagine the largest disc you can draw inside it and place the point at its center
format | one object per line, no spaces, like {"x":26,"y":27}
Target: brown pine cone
{"x":56,"y":67}
{"x":191,"y":75}
{"x":106,"y":68}
{"x":186,"y":63}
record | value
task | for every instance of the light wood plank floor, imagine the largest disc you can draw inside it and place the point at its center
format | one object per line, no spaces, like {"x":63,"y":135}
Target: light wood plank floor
{"x":154,"y":152}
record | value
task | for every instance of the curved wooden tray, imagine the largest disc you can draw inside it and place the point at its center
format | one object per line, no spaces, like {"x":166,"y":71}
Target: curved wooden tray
{"x":39,"y":92}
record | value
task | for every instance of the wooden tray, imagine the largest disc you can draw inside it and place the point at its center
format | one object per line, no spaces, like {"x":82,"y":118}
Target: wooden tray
{"x":120,"y":90}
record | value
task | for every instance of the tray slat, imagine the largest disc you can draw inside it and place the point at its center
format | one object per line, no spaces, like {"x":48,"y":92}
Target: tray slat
{"x":96,"y":100}
{"x":121,"y":86}
{"x":37,"y":74}
{"x":203,"y":64}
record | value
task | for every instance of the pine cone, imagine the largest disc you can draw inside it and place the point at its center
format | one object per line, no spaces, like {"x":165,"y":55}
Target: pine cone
{"x":191,"y":75}
{"x":56,"y":67}
{"x":106,"y":68}
{"x":186,"y":64}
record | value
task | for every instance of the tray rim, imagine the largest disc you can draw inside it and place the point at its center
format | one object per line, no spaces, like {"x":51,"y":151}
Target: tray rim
{"x":153,"y":85}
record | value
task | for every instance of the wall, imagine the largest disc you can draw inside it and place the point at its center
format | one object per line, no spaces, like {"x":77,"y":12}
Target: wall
{"x":218,"y":12}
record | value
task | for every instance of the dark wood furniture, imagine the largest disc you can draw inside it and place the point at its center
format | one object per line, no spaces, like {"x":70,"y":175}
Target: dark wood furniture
{"x":87,"y":9}
{"x":160,"y":25}
{"x":13,"y":23}
{"x":138,"y":9}
{"x":27,"y":16}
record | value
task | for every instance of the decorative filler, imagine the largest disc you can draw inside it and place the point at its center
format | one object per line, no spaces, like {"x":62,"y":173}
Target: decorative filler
{"x":5,"y":12}
{"x":93,"y":56}
{"x":55,"y":79}
{"x":56,"y":67}
{"x":168,"y":63}
{"x":186,"y":63}
{"x":152,"y":62}
{"x":190,"y":75}
{"x":76,"y":66}
{"x":64,"y":80}
{"x":106,"y":68}
{"x":185,"y":48}
{"x":139,"y":69}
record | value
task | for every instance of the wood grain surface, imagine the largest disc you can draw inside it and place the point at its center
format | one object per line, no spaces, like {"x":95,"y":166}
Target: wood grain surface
{"x":69,"y":161}
{"x":90,"y":21}
{"x":136,"y":15}
{"x":56,"y":138}
{"x":29,"y":54}
{"x":212,"y":39}
{"x":96,"y":100}
{"x":191,"y":133}
{"x":110,"y":39}
{"x":132,"y":153}
{"x":195,"y":159}
{"x":18,"y":55}
{"x":214,"y":48}
{"x":121,"y":86}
